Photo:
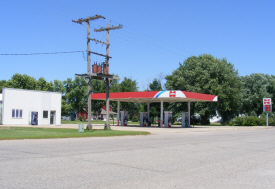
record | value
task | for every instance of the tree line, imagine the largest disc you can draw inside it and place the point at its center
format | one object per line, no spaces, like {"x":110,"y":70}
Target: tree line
{"x":203,"y":74}
{"x":236,"y":94}
{"x":75,"y":91}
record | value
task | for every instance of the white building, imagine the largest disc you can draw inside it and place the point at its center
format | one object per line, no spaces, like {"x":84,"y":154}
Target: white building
{"x":29,"y":107}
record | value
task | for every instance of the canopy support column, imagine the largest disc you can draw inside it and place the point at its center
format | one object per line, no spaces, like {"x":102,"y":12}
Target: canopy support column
{"x":118,"y":111}
{"x":189,"y":111}
{"x":107,"y":105}
{"x":148,"y":110}
{"x":161,"y":111}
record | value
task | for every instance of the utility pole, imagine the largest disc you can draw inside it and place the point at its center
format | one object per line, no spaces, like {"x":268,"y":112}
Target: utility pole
{"x":80,"y":21}
{"x":107,"y":29}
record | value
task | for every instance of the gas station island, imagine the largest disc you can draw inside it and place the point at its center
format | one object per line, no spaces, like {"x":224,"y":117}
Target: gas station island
{"x":155,"y":96}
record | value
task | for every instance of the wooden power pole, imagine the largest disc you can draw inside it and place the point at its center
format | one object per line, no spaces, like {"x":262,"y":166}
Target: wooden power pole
{"x":80,"y":21}
{"x":89,"y":76}
{"x":107,"y":29}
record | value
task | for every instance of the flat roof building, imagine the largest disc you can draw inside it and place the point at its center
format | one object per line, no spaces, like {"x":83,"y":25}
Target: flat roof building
{"x":29,"y":107}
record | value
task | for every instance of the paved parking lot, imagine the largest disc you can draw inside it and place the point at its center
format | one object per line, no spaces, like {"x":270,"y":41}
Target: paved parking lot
{"x":202,"y":157}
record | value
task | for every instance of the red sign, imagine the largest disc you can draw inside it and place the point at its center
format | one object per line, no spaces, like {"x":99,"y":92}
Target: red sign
{"x":267,"y":104}
{"x":172,"y":93}
{"x":267,"y":101}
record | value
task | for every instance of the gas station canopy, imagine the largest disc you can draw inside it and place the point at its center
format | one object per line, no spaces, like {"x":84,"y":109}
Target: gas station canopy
{"x":156,"y":96}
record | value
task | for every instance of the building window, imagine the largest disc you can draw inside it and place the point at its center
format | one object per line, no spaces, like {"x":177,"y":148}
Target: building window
{"x":16,"y":113}
{"x":45,"y":114}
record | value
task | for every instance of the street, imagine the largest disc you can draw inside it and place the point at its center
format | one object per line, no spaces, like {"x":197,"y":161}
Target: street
{"x":184,"y":158}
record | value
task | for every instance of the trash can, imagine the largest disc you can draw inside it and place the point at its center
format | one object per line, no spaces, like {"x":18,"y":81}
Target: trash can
{"x":72,"y":115}
{"x":80,"y":127}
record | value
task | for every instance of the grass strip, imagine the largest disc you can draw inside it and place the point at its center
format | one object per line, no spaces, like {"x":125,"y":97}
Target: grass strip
{"x":10,"y":133}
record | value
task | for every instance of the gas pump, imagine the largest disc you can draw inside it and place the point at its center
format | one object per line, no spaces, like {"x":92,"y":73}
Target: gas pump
{"x":167,"y":119}
{"x":185,"y":119}
{"x":143,"y":118}
{"x":123,"y":118}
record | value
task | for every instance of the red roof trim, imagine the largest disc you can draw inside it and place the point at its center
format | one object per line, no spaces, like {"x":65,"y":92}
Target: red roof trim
{"x":119,"y":95}
{"x":149,"y":95}
{"x":199,"y":96}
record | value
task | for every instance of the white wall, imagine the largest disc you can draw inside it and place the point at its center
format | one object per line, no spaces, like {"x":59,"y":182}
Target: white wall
{"x":28,"y":101}
{"x":0,"y":109}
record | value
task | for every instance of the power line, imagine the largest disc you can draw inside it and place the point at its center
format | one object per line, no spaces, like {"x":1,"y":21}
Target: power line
{"x":148,"y":36}
{"x":137,"y":35}
{"x":41,"y":53}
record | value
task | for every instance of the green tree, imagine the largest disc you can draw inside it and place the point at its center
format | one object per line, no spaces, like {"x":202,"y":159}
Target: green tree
{"x":154,"y":107}
{"x":255,"y":87}
{"x":19,"y":81}
{"x":209,"y":75}
{"x":2,"y":84}
{"x":43,"y":85}
{"x":58,"y":86}
{"x":114,"y":86}
{"x":271,"y":86}
{"x":65,"y":107}
{"x":76,"y":93}
{"x":97,"y":86}
{"x":155,"y":85}
{"x":129,"y":85}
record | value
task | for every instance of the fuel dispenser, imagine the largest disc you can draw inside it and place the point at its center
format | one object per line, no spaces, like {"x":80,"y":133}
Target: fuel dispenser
{"x":143,"y":118}
{"x":185,"y":119}
{"x":34,"y":118}
{"x":167,"y":119}
{"x":123,"y":118}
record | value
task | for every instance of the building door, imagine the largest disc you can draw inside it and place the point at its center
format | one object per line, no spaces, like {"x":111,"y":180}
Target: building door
{"x":52,"y":121}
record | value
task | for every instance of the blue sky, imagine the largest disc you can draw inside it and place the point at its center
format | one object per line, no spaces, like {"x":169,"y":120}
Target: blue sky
{"x":156,"y":36}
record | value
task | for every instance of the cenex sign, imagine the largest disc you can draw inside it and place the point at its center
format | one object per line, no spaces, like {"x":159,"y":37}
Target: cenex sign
{"x":267,"y":105}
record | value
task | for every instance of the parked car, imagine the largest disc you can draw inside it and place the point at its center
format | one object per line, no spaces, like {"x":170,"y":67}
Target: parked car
{"x":99,"y":118}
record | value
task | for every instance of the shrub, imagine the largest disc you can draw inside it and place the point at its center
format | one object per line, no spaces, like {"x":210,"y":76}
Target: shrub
{"x":134,"y":118}
{"x":239,"y":121}
{"x":253,"y":113}
{"x":80,"y":118}
{"x":248,"y":121}
{"x":251,"y":121}
{"x":271,"y":122}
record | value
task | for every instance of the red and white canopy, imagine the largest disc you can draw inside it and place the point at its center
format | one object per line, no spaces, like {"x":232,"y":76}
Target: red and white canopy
{"x":156,"y":96}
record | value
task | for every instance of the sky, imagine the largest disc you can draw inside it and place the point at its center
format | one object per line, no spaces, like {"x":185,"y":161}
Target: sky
{"x":156,"y":36}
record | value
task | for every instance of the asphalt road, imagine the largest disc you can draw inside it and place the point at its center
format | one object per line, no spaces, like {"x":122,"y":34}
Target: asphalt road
{"x":207,"y":158}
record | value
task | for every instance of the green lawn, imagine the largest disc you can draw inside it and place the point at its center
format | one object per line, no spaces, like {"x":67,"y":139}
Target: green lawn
{"x":216,"y":124}
{"x":8,"y":133}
